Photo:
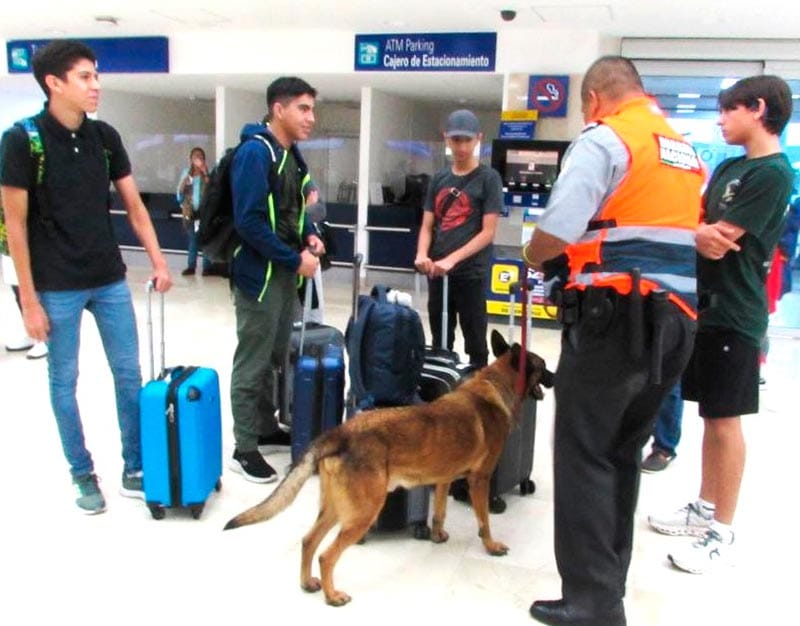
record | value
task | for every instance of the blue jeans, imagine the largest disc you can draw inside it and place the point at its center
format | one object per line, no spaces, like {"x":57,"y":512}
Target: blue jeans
{"x":191,"y":260}
{"x":667,"y":432}
{"x":112,"y":308}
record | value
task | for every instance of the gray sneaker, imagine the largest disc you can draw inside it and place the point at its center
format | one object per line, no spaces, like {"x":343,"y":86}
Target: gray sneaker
{"x":687,"y":520}
{"x":657,"y":461}
{"x":132,"y":485}
{"x":90,"y":499}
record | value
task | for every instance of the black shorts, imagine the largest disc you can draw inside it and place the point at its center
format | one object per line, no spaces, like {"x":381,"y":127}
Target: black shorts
{"x":722,"y":375}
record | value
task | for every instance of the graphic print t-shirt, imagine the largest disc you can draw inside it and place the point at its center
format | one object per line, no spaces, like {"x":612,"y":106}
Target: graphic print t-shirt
{"x":463,"y":219}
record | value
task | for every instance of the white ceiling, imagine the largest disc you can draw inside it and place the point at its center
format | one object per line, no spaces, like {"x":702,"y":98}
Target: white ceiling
{"x":630,"y":18}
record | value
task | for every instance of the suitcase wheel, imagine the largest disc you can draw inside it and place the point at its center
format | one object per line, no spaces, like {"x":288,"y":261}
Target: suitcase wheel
{"x":156,"y":510}
{"x":197,"y":510}
{"x":527,"y":487}
{"x":422,"y":531}
{"x":218,"y":486}
{"x":497,"y":504}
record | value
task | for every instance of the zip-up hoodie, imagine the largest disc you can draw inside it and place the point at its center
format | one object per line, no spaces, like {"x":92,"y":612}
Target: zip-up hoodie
{"x":255,"y":210}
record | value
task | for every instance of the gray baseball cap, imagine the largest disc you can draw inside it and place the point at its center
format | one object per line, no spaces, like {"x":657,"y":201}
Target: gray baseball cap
{"x":462,"y":123}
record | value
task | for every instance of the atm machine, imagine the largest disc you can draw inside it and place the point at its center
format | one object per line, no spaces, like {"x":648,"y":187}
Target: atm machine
{"x":528,"y":169}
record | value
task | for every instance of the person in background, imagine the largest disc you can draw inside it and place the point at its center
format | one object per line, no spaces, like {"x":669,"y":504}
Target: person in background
{"x":744,"y":204}
{"x":666,"y":434}
{"x":66,"y":256}
{"x":459,"y":220}
{"x":191,"y":184}
{"x":622,"y":217}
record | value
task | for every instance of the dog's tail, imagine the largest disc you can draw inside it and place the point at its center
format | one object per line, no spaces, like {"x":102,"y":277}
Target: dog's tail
{"x":290,"y":486}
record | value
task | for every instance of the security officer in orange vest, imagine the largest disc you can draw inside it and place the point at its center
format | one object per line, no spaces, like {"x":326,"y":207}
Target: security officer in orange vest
{"x":620,"y":223}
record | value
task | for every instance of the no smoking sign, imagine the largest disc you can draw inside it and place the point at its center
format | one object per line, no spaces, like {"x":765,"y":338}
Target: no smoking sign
{"x":548,"y":95}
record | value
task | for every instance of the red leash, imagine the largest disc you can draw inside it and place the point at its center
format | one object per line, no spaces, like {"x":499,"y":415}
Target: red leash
{"x":523,"y":352}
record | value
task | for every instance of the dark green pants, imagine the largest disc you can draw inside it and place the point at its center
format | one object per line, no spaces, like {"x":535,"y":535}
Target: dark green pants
{"x":263,"y":330}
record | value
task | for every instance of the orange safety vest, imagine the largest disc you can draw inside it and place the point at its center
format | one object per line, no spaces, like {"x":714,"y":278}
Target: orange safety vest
{"x":649,"y":221}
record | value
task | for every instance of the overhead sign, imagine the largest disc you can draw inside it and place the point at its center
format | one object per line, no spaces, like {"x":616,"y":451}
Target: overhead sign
{"x":426,"y":52}
{"x":548,"y":95}
{"x":115,"y":55}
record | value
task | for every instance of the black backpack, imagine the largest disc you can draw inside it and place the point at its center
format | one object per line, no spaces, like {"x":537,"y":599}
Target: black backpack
{"x":217,"y":234}
{"x":386,"y":346}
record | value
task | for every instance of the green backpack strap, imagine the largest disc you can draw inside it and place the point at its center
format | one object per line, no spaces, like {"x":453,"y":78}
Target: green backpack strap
{"x":36,"y":147}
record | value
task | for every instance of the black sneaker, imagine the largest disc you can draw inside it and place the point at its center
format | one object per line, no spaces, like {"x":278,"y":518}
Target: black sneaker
{"x":253,"y":467}
{"x":276,"y":442}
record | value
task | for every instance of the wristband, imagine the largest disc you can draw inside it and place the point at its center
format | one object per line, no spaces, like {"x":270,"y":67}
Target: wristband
{"x":525,"y":255}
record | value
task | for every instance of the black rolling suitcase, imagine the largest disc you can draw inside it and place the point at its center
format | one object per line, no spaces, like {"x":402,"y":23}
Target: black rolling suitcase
{"x":312,"y":381}
{"x":516,"y":461}
{"x":404,"y":508}
{"x":442,"y":369}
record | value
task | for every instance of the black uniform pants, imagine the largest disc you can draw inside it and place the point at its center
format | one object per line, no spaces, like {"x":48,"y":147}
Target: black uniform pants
{"x":605,"y":410}
{"x":467,"y":305}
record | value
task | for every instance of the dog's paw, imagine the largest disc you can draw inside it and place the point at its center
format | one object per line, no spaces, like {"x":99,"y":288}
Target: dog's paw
{"x":338,"y":598}
{"x":439,"y":536}
{"x":495,"y":548}
{"x":312,"y":585}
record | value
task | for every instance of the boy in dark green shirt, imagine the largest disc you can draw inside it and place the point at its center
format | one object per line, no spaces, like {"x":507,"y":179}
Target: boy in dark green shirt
{"x":744,"y":203}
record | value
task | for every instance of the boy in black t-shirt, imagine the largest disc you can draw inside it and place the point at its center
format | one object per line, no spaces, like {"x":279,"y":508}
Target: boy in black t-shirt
{"x":66,"y":257}
{"x":455,"y":238}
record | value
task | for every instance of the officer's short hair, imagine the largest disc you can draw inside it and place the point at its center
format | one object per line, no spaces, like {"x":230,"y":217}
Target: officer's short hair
{"x":57,"y":58}
{"x":773,"y":90}
{"x":287,"y":88}
{"x":612,"y":75}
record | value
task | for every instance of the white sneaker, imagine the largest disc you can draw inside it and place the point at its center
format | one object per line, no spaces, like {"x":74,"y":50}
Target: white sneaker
{"x":703,"y":554}
{"x":17,"y":345}
{"x":38,"y":351}
{"x":685,"y":521}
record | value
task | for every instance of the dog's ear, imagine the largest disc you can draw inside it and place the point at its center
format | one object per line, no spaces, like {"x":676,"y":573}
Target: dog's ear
{"x":499,"y":344}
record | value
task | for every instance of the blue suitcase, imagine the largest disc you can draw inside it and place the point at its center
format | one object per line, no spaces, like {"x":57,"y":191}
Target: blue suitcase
{"x":181,"y":433}
{"x":317,"y":388}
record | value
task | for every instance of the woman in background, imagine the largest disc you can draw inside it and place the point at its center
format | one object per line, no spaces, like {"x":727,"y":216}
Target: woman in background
{"x":190,"y":190}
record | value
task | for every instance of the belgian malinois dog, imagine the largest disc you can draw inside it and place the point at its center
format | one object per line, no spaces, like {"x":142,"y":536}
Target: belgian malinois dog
{"x":462,"y":433}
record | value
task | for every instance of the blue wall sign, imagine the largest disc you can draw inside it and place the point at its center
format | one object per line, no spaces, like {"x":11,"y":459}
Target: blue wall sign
{"x":114,"y":55}
{"x":548,"y":95}
{"x":516,"y":130}
{"x":426,"y":52}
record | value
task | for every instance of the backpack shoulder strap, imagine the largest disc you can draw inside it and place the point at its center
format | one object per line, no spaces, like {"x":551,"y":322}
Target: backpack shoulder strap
{"x":354,"y":344}
{"x":456,"y":191}
{"x":38,"y":162}
{"x":35,"y":146}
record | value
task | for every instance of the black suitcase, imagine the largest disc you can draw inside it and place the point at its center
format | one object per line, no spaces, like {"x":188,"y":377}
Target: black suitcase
{"x":516,"y":461}
{"x":442,"y":370}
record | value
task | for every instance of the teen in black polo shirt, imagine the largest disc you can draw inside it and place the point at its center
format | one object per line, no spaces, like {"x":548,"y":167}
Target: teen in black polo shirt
{"x":65,"y":253}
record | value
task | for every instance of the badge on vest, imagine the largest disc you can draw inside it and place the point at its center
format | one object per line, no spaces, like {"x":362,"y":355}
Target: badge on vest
{"x":677,"y":153}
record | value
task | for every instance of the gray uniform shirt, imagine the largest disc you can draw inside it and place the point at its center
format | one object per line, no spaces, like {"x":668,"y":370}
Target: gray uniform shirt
{"x":593,"y":167}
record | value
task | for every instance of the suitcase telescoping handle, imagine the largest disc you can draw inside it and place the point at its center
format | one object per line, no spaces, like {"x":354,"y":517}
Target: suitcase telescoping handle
{"x":309,"y":285}
{"x":150,"y":287}
{"x":358,"y":259}
{"x":445,"y":303}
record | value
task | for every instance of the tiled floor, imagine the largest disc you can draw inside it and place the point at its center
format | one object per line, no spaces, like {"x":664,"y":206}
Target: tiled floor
{"x":124,"y":568}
